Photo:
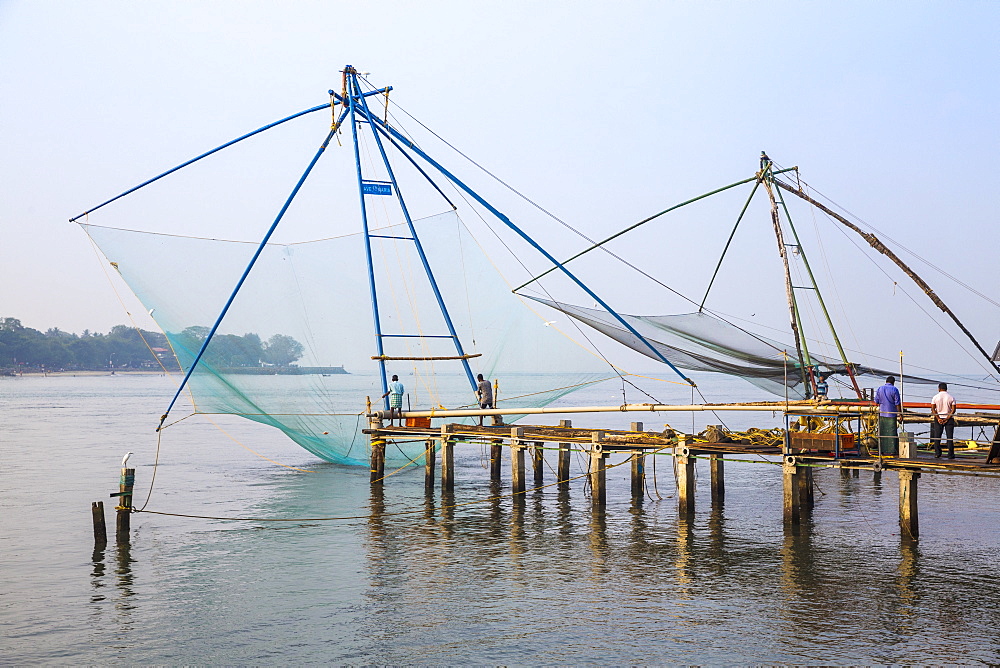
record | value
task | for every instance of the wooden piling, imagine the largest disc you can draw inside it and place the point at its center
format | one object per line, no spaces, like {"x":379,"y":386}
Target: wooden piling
{"x":685,"y":476}
{"x":429,"y":457}
{"x":718,"y":475}
{"x":496,"y":454}
{"x":538,"y":463}
{"x":805,"y":485}
{"x":790,"y":471}
{"x":909,"y":525}
{"x":638,"y":476}
{"x":517,"y":460}
{"x":447,"y":459}
{"x":100,"y":528}
{"x":377,"y":455}
{"x":124,"y":507}
{"x":562,"y":467}
{"x":598,"y":470}
{"x":377,"y":467}
{"x":638,"y":468}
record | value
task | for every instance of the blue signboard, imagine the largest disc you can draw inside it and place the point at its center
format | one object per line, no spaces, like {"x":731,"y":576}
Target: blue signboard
{"x":376,"y":188}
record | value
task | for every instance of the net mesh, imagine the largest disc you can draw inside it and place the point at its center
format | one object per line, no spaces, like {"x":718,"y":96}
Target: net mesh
{"x":702,"y":342}
{"x":295,"y":349}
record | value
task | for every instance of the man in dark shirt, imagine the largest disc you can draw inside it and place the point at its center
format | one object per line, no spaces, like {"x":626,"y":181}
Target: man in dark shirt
{"x":485,"y":392}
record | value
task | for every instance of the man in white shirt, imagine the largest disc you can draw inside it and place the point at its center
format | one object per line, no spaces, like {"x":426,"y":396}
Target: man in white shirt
{"x":943,"y":420}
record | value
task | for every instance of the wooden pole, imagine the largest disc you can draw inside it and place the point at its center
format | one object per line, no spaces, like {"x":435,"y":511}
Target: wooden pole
{"x":124,"y":507}
{"x":377,"y":467}
{"x":429,"y":457}
{"x":562,"y":467}
{"x":685,"y":476}
{"x":377,"y":460}
{"x":598,"y":470}
{"x":805,"y":484}
{"x":447,"y":459}
{"x":538,"y":464}
{"x":638,"y":468}
{"x":638,"y":476}
{"x":790,"y":471}
{"x":909,"y":525}
{"x":496,"y":454}
{"x":718,"y":474}
{"x":517,"y":460}
{"x":100,"y":528}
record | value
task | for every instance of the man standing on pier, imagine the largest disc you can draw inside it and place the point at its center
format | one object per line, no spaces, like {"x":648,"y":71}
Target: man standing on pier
{"x":485,"y":392}
{"x":943,"y":420}
{"x":395,"y":395}
{"x":890,"y":411}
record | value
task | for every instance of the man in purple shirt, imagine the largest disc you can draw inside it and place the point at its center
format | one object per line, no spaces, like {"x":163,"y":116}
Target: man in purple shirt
{"x":889,"y":412}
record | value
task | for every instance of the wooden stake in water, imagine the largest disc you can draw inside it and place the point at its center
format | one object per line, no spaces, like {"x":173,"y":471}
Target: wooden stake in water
{"x":517,"y":461}
{"x":562,"y":467}
{"x":100,"y":528}
{"x":124,"y":507}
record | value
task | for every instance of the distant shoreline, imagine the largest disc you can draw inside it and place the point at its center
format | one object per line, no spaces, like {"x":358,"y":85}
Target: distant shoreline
{"x":123,"y":372}
{"x":246,"y":371}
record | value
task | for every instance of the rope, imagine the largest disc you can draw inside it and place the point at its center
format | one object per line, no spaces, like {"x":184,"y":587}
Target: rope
{"x":496,"y":497}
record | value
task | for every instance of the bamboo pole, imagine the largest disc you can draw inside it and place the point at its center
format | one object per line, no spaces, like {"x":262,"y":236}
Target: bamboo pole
{"x":875,"y":243}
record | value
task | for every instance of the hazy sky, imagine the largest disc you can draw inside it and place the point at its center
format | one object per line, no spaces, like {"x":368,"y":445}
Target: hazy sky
{"x":604,"y":112}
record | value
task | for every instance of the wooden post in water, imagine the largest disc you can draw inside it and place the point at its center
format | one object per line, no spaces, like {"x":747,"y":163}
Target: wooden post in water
{"x":598,"y":470}
{"x":377,"y":460}
{"x":538,"y":464}
{"x":517,"y":459}
{"x":638,"y":476}
{"x":429,"y":465}
{"x":909,"y":526}
{"x":806,"y":499}
{"x":562,"y":467}
{"x":638,"y":468}
{"x":685,"y":475}
{"x":100,"y":528}
{"x":124,"y":507}
{"x":377,"y":467}
{"x":718,"y":475}
{"x":447,"y":459}
{"x":790,"y":475}
{"x":496,"y":453}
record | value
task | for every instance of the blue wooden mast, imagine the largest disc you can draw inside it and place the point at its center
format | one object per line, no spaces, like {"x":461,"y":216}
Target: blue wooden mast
{"x":359,"y":112}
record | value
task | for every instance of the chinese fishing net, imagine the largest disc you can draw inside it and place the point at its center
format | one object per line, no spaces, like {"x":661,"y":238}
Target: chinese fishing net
{"x":295,"y":349}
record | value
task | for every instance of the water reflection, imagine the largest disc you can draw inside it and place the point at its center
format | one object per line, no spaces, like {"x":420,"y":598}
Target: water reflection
{"x":124,"y":579}
{"x":97,"y":573}
{"x":598,"y":539}
{"x":717,"y":539}
{"x":906,"y":576}
{"x":683,"y":559}
{"x":527,"y":555}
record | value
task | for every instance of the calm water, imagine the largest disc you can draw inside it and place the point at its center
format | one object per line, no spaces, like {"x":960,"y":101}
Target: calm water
{"x":546,"y":581}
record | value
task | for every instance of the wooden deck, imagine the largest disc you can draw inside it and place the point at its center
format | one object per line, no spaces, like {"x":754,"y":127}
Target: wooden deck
{"x":614,"y":441}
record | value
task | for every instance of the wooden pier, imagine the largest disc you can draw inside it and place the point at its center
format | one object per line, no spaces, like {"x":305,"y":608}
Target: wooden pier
{"x":527,"y":446}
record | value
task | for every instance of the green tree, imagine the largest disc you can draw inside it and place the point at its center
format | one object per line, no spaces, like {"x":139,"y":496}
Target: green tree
{"x":282,"y":350}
